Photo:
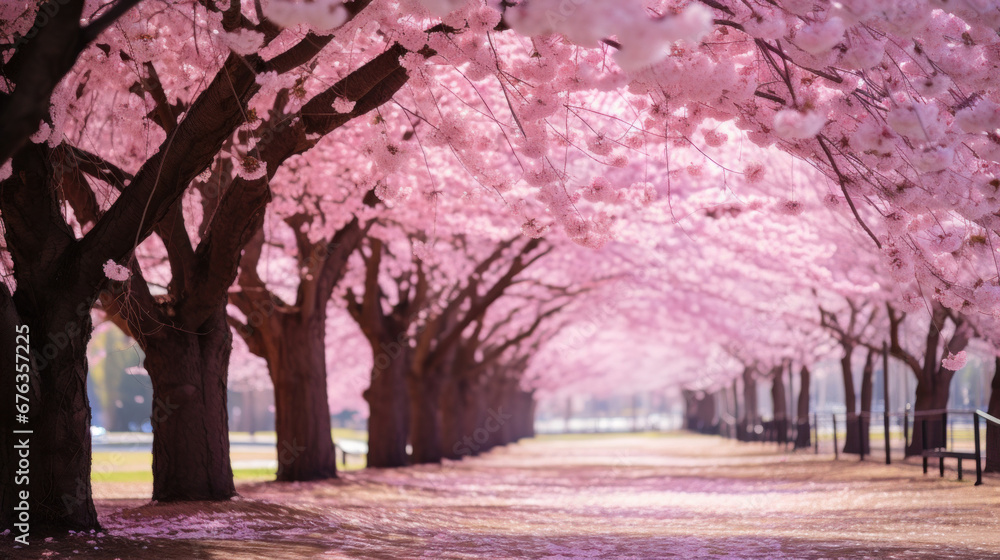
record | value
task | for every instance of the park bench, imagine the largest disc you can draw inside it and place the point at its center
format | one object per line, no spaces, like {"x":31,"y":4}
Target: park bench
{"x":351,"y":447}
{"x":941,"y":453}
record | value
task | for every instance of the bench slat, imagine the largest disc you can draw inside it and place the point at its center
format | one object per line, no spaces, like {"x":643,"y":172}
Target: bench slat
{"x":950,"y":454}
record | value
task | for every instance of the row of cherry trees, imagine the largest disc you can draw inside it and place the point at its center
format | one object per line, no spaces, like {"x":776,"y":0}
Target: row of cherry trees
{"x":836,"y":303}
{"x":188,"y":166}
{"x":146,"y":193}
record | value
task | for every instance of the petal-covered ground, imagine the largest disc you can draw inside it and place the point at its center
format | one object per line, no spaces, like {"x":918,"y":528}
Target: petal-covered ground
{"x":640,"y":497}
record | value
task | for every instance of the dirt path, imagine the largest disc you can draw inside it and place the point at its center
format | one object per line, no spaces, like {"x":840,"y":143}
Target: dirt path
{"x":607,"y":497}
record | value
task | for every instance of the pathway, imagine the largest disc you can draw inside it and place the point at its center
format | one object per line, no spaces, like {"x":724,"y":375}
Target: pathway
{"x":641,"y":497}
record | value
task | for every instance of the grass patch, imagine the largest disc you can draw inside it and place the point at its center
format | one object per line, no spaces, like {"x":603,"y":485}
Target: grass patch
{"x":239,"y":475}
{"x":347,"y":433}
{"x":111,"y":461}
{"x":338,"y":433}
{"x":122,"y":476}
{"x":255,"y":475}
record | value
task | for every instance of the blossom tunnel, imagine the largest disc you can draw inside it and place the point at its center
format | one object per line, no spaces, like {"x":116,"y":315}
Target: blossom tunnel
{"x":450,"y":220}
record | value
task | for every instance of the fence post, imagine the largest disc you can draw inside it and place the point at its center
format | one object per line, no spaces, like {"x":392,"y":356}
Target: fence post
{"x":862,"y":437}
{"x":979,"y":454}
{"x":944,"y":426}
{"x":923,"y":439}
{"x":789,"y":419}
{"x":836,"y":451}
{"x":885,"y":398}
{"x":816,"y":429}
{"x":906,"y":427}
{"x":888,"y":457}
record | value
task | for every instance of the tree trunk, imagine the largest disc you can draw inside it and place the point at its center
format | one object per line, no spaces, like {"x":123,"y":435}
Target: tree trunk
{"x":59,"y":447}
{"x":803,"y":434}
{"x":992,"y":430}
{"x":729,"y":421}
{"x":454,"y":401}
{"x":529,"y":429}
{"x":425,"y":419}
{"x":471,"y":422}
{"x":489,"y":431}
{"x":865,"y":419}
{"x":934,"y":382}
{"x":690,"y":409}
{"x":8,"y":455}
{"x":302,"y":411}
{"x":740,"y":427}
{"x":931,"y":394}
{"x":750,"y":413}
{"x":852,"y":437}
{"x":525,"y":415}
{"x":706,"y":411}
{"x":189,"y":371}
{"x":501,"y":415}
{"x":780,"y":406}
{"x":519,"y":409}
{"x":389,"y":408}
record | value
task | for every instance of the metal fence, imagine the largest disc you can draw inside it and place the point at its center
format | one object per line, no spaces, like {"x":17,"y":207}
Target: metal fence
{"x":944,"y":433}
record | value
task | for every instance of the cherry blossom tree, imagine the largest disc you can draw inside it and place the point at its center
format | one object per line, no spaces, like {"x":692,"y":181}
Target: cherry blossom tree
{"x":291,"y":338}
{"x":193,"y":130}
{"x":563,"y":115}
{"x":413,"y":322}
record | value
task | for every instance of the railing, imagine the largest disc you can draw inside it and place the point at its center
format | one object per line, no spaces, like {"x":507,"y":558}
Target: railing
{"x":979,"y":455}
{"x":951,"y":441}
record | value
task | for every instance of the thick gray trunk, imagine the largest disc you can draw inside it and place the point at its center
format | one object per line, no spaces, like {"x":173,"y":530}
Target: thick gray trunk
{"x":803,"y":433}
{"x":389,"y":406}
{"x":59,"y":451}
{"x":425,"y":418}
{"x":931,"y":395}
{"x":189,"y":371}
{"x":302,"y":411}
